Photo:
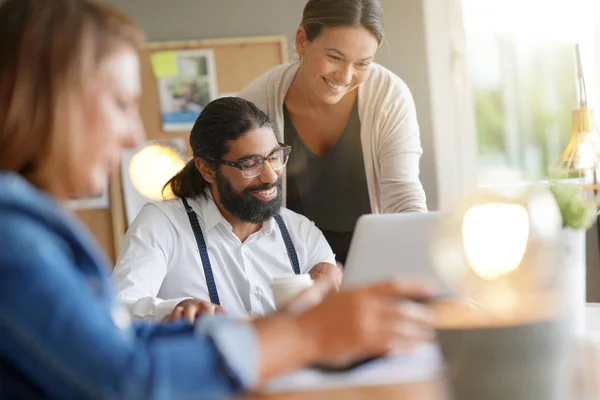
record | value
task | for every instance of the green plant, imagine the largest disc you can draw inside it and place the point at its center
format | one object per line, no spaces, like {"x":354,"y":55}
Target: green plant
{"x":576,"y":209}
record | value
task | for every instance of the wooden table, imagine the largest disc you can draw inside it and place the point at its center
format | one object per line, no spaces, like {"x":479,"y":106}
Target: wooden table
{"x":432,"y":390}
{"x":426,"y":390}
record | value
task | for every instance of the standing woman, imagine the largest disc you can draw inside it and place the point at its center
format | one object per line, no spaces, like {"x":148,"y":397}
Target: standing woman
{"x":351,"y":122}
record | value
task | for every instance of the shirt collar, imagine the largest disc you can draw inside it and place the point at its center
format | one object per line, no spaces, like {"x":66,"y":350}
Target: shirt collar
{"x":268,"y":226}
{"x":211,"y":215}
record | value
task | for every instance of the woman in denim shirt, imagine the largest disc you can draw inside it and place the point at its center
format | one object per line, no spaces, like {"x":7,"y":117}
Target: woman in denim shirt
{"x":69,"y":91}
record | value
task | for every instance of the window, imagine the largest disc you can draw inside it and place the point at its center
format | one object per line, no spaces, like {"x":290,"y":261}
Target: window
{"x":522,"y":72}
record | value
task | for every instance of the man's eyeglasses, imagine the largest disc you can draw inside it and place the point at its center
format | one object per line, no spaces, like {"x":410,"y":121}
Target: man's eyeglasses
{"x":252,"y":167}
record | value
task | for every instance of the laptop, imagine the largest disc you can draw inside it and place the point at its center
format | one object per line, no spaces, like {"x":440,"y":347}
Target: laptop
{"x":387,"y":246}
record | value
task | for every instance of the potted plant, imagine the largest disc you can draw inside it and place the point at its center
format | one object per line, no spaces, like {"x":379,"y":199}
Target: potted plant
{"x":578,"y":212}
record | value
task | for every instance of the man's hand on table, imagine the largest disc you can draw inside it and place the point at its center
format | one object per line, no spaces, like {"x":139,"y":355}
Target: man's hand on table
{"x":191,"y":309}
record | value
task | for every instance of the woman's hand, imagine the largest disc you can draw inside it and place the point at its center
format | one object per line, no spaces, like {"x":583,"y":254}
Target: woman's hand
{"x":370,"y":321}
{"x":338,"y":328}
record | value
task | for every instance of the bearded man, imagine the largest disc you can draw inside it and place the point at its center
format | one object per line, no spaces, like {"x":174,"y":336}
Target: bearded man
{"x":224,"y":236}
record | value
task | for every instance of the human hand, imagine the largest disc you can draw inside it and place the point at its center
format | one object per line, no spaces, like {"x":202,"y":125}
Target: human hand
{"x":368,"y":321}
{"x":191,"y":309}
{"x":332,"y":274}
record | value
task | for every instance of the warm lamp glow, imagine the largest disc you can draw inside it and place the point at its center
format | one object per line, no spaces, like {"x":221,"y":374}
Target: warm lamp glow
{"x":495,"y":237}
{"x":152,"y":167}
{"x":586,"y":157}
{"x":580,"y":157}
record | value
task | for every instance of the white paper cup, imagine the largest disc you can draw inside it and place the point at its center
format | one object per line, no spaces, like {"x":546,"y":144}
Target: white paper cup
{"x":286,"y":288}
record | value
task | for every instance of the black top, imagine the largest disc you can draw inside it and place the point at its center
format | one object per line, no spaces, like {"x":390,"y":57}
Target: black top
{"x":331,"y":189}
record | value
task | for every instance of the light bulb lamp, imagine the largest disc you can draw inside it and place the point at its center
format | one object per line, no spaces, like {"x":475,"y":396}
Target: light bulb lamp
{"x":580,"y":157}
{"x":152,"y":166}
{"x":496,"y":251}
{"x":497,"y":247}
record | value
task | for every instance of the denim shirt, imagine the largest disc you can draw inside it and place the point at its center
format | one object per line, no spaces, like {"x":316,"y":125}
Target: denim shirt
{"x":63,"y":336}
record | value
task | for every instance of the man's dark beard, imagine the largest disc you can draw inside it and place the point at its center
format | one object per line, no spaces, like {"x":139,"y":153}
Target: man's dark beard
{"x":244,"y":206}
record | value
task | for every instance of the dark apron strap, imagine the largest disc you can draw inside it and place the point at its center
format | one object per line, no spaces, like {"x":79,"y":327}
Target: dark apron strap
{"x":289,"y":245}
{"x":210,"y":280}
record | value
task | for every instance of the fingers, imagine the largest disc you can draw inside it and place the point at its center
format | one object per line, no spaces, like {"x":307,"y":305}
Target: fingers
{"x":372,"y":320}
{"x":190,"y":312}
{"x":399,"y":325}
{"x":416,"y":290}
{"x":219,"y":309}
{"x":326,"y":271}
{"x":412,"y":312}
{"x":408,"y":324}
{"x":175,"y":314}
{"x":207,"y":308}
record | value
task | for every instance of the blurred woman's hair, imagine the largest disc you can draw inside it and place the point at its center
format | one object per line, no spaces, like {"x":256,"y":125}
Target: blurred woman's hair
{"x":220,"y":122}
{"x":49,"y":51}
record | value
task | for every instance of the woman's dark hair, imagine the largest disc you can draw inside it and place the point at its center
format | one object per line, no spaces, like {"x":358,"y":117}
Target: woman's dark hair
{"x":319,"y":14}
{"x":221,"y":121}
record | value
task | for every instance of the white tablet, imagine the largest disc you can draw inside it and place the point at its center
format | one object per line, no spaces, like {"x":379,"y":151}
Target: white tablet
{"x":386,"y":246}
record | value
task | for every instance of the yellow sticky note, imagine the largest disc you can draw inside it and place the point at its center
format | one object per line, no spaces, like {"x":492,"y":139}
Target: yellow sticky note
{"x":164,"y":63}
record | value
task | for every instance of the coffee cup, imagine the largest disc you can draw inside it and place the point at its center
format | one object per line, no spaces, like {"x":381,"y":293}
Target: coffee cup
{"x":287,"y":287}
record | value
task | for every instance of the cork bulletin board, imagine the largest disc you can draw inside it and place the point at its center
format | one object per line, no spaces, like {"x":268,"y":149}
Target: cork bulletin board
{"x":237,"y":61}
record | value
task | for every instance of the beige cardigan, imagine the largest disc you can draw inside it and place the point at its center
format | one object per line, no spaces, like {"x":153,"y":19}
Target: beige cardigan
{"x":389,"y":133}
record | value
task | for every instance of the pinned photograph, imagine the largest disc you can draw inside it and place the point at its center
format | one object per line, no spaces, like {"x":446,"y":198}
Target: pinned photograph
{"x":186,"y":84}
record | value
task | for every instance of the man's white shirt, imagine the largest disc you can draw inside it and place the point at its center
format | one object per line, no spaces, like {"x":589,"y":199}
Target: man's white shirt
{"x":159,"y":264}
